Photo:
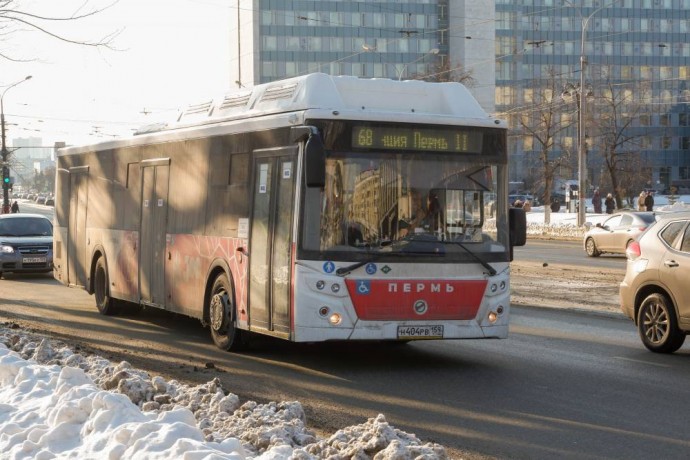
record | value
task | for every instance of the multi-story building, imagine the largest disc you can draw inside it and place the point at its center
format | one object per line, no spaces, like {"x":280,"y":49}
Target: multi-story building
{"x":29,"y":153}
{"x":397,"y":39}
{"x":628,"y":44}
{"x":510,"y":48}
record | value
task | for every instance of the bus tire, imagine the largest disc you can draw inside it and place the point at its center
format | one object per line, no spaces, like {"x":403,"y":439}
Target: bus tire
{"x":101,"y":288}
{"x":222,"y":316}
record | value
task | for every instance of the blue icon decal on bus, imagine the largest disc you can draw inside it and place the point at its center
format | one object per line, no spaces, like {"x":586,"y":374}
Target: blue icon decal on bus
{"x":363,"y":287}
{"x":328,"y":267}
{"x":371,"y":268}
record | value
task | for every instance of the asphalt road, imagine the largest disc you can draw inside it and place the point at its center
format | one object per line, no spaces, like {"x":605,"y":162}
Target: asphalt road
{"x":563,"y":385}
{"x":566,"y":252}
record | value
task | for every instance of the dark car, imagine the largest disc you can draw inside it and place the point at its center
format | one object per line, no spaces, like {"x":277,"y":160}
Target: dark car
{"x":655,"y":291}
{"x":26,"y":243}
{"x":617,"y":232}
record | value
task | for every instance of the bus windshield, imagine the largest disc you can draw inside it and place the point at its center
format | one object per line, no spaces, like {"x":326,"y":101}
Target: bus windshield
{"x":405,"y":203}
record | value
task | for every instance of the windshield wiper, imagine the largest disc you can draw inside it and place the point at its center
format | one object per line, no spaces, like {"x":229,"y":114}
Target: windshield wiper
{"x":492,"y":270}
{"x":485,"y":264}
{"x":342,"y":271}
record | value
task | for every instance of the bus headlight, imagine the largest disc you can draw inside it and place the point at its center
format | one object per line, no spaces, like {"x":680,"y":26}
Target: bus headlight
{"x":335,"y":319}
{"x":494,"y":314}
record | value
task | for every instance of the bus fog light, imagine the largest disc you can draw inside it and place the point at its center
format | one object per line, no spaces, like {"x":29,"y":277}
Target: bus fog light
{"x":335,"y":287}
{"x":335,"y":319}
{"x":499,"y":310}
{"x":324,"y":311}
{"x":320,"y":284}
{"x":503,"y":285}
{"x":494,"y":288}
{"x":493,"y":316}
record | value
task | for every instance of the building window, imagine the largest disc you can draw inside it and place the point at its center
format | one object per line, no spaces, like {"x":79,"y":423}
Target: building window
{"x":527,"y":144}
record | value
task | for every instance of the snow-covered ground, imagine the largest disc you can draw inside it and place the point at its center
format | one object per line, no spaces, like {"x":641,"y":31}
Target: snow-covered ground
{"x":55,"y":403}
{"x":564,"y":224}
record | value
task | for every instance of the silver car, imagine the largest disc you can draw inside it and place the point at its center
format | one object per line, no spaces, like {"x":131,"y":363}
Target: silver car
{"x":617,"y":232}
{"x":655,"y":292}
{"x":26,"y":243}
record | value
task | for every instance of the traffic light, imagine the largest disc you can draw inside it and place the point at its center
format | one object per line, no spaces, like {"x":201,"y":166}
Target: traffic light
{"x":5,"y":176}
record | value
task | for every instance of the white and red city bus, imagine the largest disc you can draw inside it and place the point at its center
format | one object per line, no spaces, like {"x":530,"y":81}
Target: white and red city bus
{"x":314,"y":208}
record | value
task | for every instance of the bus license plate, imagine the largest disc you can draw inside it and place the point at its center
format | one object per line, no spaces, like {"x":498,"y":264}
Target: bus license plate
{"x":420,"y":332}
{"x":33,"y":260}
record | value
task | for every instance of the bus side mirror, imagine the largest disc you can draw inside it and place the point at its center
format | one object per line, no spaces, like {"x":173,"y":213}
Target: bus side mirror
{"x":517,"y":226}
{"x":314,"y":162}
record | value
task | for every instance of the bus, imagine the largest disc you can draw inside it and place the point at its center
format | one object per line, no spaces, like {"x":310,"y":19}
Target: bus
{"x":310,"y":209}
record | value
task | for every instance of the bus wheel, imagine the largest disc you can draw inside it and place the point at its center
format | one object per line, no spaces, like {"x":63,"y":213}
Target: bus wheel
{"x":101,"y":289}
{"x":222,"y":316}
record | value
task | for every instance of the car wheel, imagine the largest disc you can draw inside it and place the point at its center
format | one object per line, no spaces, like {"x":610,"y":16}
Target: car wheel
{"x":222,"y":315}
{"x":101,"y":288}
{"x":591,"y":248}
{"x":658,"y":326}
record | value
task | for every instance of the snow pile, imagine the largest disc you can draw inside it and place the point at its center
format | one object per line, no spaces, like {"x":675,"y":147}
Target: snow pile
{"x":57,"y":403}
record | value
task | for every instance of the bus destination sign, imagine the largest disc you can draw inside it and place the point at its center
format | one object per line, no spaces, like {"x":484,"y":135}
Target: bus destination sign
{"x":423,"y":139}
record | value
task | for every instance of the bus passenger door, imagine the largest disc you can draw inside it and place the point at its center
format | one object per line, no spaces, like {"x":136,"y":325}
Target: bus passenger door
{"x":76,"y":234}
{"x":270,"y":242}
{"x":154,"y":214}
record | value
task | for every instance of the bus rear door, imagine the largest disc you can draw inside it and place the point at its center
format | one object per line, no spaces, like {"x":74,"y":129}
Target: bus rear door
{"x":273,"y":204}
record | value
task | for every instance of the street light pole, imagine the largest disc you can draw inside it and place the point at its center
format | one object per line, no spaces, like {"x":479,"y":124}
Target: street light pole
{"x":581,"y":146}
{"x":5,"y":152}
{"x":402,"y":72}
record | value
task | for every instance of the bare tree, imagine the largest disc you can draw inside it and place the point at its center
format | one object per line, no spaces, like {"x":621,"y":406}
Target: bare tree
{"x":14,"y":18}
{"x":541,"y":124}
{"x":445,"y":72}
{"x":618,"y":143}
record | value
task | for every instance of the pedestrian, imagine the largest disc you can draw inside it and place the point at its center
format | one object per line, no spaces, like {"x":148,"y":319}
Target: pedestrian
{"x":15,"y":206}
{"x":596,"y":201}
{"x":610,"y":203}
{"x":649,"y":201}
{"x":640,"y":201}
{"x":555,"y":205}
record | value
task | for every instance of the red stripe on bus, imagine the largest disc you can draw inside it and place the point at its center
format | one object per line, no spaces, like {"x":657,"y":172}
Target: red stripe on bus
{"x":398,"y":300}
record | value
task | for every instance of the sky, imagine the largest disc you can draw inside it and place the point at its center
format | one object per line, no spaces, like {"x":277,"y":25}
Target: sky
{"x":168,"y":54}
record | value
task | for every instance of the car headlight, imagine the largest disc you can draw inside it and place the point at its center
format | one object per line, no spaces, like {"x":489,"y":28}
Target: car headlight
{"x":6,"y":249}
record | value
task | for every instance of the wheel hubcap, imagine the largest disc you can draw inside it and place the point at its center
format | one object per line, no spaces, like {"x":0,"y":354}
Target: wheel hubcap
{"x":655,"y":323}
{"x":219,"y":308}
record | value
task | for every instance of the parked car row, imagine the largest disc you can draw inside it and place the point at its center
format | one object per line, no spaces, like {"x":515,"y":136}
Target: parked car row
{"x":38,"y":198}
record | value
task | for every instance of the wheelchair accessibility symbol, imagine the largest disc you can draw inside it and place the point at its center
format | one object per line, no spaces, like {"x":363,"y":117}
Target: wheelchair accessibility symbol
{"x":363,"y":287}
{"x":371,"y":268}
